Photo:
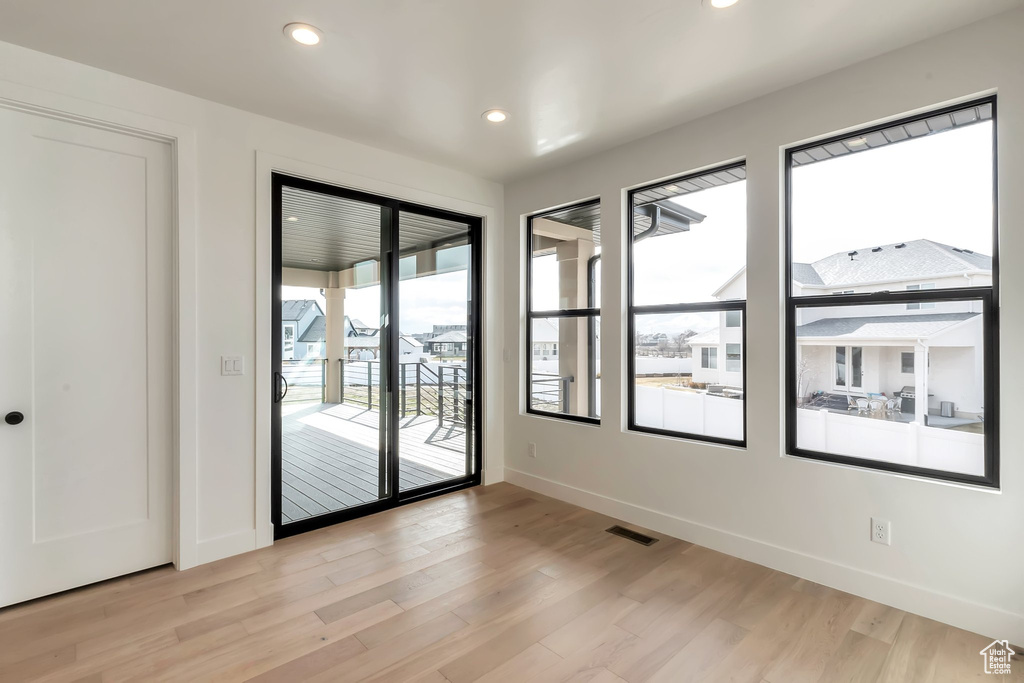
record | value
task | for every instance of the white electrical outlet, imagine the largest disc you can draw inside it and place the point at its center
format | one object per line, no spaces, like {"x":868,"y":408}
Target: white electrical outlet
{"x":531,"y":449}
{"x":881,"y":531}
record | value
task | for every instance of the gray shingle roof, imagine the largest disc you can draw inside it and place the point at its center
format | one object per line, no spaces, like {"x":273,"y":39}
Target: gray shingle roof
{"x":915,"y":260}
{"x":448,"y":337}
{"x":913,"y":326}
{"x":316,"y":332}
{"x":294,"y":309}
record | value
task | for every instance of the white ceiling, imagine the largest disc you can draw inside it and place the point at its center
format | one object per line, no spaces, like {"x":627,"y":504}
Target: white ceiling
{"x":413,"y":76}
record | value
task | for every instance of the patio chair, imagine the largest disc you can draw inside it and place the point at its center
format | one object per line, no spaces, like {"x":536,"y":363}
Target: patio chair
{"x":862,"y":405}
{"x":894,"y":405}
{"x":875,"y":405}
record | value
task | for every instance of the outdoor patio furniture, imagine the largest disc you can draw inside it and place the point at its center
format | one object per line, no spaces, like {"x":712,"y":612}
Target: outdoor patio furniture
{"x":862,"y":405}
{"x":875,"y":405}
{"x":894,"y":405}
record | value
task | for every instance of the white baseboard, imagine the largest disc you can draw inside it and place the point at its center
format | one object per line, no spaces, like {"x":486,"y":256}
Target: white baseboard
{"x":989,"y":621}
{"x":218,"y":548}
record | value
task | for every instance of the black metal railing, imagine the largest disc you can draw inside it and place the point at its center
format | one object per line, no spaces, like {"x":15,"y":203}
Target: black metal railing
{"x":441,"y":390}
{"x":307,"y":380}
{"x":550,"y":392}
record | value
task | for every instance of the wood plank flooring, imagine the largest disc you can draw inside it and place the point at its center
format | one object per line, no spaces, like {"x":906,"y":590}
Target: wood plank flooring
{"x":329,"y":456}
{"x":488,"y":584}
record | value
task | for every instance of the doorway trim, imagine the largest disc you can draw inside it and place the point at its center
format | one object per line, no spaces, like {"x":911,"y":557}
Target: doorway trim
{"x":182,"y":141}
{"x":268,"y":163}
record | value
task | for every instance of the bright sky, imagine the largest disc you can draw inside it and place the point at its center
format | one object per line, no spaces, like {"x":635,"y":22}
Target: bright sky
{"x":424,"y":302}
{"x":938,"y":187}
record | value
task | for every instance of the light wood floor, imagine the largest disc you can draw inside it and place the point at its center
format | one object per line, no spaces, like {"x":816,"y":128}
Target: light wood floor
{"x":490,"y":584}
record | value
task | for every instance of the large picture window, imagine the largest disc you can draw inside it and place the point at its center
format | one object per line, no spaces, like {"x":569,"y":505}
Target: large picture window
{"x":892,"y":289}
{"x":687,"y":306}
{"x":563,"y":334}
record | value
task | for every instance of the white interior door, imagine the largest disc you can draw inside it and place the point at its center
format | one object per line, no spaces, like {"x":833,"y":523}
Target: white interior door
{"x":85,"y":354}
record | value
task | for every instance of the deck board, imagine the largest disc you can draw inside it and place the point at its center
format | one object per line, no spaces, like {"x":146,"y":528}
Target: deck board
{"x":330,"y":462}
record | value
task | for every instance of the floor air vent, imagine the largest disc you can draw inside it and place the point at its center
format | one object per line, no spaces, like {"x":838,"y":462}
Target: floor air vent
{"x":635,"y":536}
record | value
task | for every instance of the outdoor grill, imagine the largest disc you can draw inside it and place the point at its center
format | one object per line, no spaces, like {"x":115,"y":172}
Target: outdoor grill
{"x":909,"y":396}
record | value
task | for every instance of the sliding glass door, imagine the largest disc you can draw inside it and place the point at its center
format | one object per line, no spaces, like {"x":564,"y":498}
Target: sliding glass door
{"x":374,"y":353}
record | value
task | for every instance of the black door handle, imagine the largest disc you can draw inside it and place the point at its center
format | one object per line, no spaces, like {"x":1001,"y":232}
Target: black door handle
{"x":279,"y":395}
{"x":14,"y":418}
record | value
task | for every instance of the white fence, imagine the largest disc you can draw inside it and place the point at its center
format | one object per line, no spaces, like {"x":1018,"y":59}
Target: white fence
{"x":690,"y":412}
{"x":895,"y":442}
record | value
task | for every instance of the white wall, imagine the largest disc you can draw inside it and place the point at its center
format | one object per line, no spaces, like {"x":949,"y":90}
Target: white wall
{"x":227,"y":141}
{"x":801,"y":516}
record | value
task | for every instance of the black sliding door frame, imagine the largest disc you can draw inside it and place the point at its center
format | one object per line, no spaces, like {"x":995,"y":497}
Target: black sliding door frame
{"x":390,"y":490}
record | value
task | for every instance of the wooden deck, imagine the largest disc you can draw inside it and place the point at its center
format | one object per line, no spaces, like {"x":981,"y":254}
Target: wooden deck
{"x":330,"y":461}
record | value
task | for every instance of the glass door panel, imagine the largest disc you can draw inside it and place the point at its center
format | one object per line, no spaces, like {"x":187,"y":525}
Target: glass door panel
{"x":436,"y":351}
{"x":331,"y":429}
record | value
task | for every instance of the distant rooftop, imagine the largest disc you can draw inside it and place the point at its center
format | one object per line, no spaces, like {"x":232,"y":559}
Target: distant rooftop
{"x":913,"y":260}
{"x":885,"y":327}
{"x":295,"y":309}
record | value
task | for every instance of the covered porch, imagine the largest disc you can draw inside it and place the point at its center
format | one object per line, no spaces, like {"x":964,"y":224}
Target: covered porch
{"x":329,"y":456}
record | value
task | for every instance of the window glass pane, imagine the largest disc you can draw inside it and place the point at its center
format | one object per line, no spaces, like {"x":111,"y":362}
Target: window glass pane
{"x":931,"y":419}
{"x":565,"y":259}
{"x":689,"y":240}
{"x":679,"y":383}
{"x":732,"y":318}
{"x":566,"y":365}
{"x":909,"y":208}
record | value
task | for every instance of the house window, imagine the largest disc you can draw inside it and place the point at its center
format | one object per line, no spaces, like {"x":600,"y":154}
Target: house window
{"x":890,"y":325}
{"x":849,"y":368}
{"x":563,"y":270}
{"x":686,"y":255}
{"x":920,"y":305}
{"x":733,"y":361}
{"x":288,"y":341}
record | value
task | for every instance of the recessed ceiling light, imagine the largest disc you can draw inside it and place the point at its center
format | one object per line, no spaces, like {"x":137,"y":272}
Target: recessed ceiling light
{"x":303,"y":33}
{"x":722,"y":4}
{"x":495,"y":115}
{"x":292,"y":219}
{"x":857,"y":142}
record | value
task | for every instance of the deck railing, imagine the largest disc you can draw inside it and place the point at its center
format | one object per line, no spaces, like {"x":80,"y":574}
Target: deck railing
{"x":440,"y":390}
{"x":550,"y":392}
{"x":307,"y":380}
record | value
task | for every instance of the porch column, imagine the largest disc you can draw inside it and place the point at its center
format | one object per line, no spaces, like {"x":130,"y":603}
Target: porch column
{"x":572,"y":257}
{"x":920,"y":382}
{"x":336,"y":331}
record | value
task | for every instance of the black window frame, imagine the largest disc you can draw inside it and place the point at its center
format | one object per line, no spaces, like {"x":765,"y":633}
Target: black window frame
{"x":987,"y":295}
{"x":592,"y":313}
{"x":633,"y":310}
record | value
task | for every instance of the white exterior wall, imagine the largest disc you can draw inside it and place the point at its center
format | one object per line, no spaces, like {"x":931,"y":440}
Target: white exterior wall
{"x":230,"y":485}
{"x":804,"y":517}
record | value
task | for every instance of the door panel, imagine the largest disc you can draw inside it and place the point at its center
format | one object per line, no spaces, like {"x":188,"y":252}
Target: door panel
{"x":378,"y":415}
{"x":86,"y":352}
{"x":332,"y":441}
{"x":435,"y":374}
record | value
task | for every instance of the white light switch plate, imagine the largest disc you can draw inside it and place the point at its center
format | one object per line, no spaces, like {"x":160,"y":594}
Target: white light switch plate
{"x":231,"y":365}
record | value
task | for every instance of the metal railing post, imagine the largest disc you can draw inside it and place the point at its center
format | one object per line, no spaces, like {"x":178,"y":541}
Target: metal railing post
{"x":401,"y":385}
{"x":341,"y":379}
{"x":323,"y":381}
{"x":455,"y":397}
{"x":440,"y":395}
{"x":565,"y":394}
{"x":369,"y":385}
{"x":419,"y":408}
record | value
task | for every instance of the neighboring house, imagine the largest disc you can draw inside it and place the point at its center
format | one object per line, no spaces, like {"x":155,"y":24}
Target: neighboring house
{"x":921,"y":350}
{"x":297,"y":315}
{"x":448,"y":344}
{"x":544,"y":336}
{"x":304,"y":328}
